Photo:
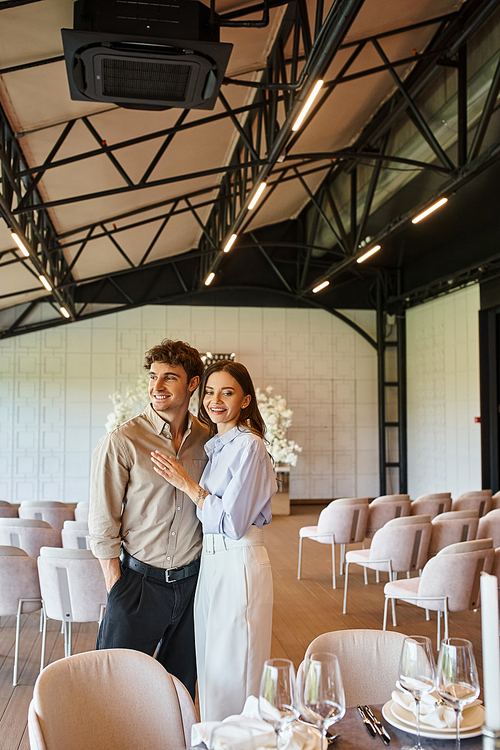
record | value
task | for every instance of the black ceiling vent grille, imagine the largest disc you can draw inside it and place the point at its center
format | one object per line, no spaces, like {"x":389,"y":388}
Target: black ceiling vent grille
{"x":154,"y":67}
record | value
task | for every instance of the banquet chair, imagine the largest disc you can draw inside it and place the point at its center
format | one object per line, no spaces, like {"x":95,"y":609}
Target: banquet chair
{"x":489,"y":527}
{"x":400,"y":546}
{"x":449,"y":582}
{"x":113,"y":699}
{"x":384,"y":509}
{"x":358,"y":651}
{"x":82,"y":511}
{"x":342,"y":522}
{"x":74,"y":535}
{"x":28,"y":533}
{"x":7,"y":510}
{"x":19,"y":589}
{"x":73,"y":589}
{"x":452,"y":527}
{"x":495,"y":568}
{"x":51,"y":511}
{"x":433,"y":504}
{"x":479,"y":500}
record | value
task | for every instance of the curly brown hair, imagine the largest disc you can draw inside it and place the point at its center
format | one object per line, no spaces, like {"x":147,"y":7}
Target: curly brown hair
{"x":176,"y":353}
{"x":250,"y":417}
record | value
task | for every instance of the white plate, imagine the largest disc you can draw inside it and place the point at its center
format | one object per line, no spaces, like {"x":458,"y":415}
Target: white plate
{"x":437,"y":734}
{"x":472,"y":718}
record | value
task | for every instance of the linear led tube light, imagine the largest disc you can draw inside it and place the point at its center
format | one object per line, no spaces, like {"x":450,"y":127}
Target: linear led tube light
{"x":64,"y":312}
{"x":210,"y":278}
{"x":307,"y":106}
{"x":230,"y":243}
{"x":20,"y":244}
{"x":320,"y":287}
{"x":257,"y":195}
{"x":45,"y":283}
{"x":429,"y":210}
{"x":367,"y":254}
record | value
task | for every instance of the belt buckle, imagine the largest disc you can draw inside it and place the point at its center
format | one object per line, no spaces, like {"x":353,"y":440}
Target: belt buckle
{"x":167,"y":576}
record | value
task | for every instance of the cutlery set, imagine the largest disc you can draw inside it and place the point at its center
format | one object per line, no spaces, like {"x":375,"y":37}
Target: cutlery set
{"x":373,"y":725}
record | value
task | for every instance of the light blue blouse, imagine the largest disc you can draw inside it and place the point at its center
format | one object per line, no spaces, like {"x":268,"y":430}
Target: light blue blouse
{"x":240,"y":478}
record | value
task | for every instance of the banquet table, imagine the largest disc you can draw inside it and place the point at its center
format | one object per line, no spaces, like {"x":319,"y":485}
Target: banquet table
{"x":353,"y":736}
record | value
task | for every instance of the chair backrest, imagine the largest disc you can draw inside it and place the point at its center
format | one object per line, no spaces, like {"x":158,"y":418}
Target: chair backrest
{"x":52,"y":511}
{"x":495,"y":501}
{"x":346,"y":518}
{"x":28,"y":533}
{"x":452,"y":527}
{"x":489,"y":527}
{"x":405,"y":541}
{"x":7,"y":510}
{"x":432,"y":504}
{"x":495,"y":568}
{"x":18,"y":580}
{"x":355,"y":650}
{"x":72,"y":584}
{"x":111,"y":699}
{"x":82,"y":511}
{"x":455,"y":572}
{"x":384,"y":509}
{"x":74,"y":535}
{"x":479,"y":500}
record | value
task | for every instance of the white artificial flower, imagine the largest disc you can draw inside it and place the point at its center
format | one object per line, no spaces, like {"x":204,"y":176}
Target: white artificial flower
{"x":278,"y":419}
{"x":132,"y":403}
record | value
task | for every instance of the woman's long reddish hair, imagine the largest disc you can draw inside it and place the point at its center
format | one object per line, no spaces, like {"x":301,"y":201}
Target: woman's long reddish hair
{"x":250,"y":417}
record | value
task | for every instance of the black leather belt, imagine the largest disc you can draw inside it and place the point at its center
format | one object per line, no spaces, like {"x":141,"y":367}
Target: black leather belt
{"x":165,"y":575}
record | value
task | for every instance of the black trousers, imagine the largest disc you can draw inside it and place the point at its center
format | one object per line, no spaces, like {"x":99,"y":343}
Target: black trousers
{"x":147,"y":615}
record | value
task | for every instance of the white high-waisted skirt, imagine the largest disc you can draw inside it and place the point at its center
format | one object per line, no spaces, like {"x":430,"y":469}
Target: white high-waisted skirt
{"x":233,"y":621}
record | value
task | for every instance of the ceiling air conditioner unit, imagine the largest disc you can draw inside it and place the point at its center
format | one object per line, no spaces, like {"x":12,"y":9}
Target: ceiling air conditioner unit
{"x":145,"y":55}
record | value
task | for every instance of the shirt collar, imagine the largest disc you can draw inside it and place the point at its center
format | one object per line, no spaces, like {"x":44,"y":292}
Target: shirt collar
{"x":160,"y":425}
{"x":219,"y":441}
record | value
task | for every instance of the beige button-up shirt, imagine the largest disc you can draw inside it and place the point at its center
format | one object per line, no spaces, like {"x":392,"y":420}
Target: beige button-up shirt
{"x":133,"y":506}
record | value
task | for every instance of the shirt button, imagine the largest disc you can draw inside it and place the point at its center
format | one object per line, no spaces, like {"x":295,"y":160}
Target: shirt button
{"x":178,"y":508}
{"x":169,"y":558}
{"x":173,"y":533}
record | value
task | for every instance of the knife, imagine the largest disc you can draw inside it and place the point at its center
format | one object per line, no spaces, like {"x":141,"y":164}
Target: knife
{"x":368,"y":725}
{"x":379,"y":727}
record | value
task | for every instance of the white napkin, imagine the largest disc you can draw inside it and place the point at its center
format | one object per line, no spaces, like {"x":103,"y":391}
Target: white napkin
{"x":432,"y":715}
{"x":294,"y":737}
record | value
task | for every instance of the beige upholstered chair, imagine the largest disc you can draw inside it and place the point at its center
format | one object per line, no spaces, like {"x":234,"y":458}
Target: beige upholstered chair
{"x":479,"y":500}
{"x":7,"y":510}
{"x":73,"y":589}
{"x":355,"y":650}
{"x":495,"y":501}
{"x":51,"y":511}
{"x":453,"y":527}
{"x":19,"y":589}
{"x":449,"y":582}
{"x":82,"y":511}
{"x":432,"y":505}
{"x":385,"y":508}
{"x":400,"y":546}
{"x":495,"y":568}
{"x":110,"y":700}
{"x":74,"y":535}
{"x":342,"y":522}
{"x":489,"y":527}
{"x":28,"y":533}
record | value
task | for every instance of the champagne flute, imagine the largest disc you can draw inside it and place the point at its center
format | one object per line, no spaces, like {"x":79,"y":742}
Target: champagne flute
{"x":277,"y":696}
{"x":457,"y":679}
{"x":322,"y":692}
{"x":417,"y":674}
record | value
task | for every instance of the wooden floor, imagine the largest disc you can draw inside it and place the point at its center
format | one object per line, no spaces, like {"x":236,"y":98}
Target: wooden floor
{"x":303,"y":610}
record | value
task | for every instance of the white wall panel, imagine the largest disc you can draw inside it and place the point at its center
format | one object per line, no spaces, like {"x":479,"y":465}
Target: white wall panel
{"x":55,"y":387}
{"x":444,"y":449}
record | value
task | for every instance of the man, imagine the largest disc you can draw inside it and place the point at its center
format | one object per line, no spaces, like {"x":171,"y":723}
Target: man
{"x":152,"y":525}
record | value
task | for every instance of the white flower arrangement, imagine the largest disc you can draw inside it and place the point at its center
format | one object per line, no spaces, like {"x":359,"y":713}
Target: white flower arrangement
{"x":278,"y":419}
{"x":132,"y":403}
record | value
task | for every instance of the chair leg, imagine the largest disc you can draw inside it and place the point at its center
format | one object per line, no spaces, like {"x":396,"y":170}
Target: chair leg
{"x":44,"y":637}
{"x":446,"y":618}
{"x":377,"y":576}
{"x":68,"y":638}
{"x":300,"y":558}
{"x":16,"y":648}
{"x":439,"y":630}
{"x":391,"y":574}
{"x":342,"y":559}
{"x":344,"y":609}
{"x":385,"y":613}
{"x":365,"y":573}
{"x":407,"y":573}
{"x":334,"y":578}
{"x":41,"y":619}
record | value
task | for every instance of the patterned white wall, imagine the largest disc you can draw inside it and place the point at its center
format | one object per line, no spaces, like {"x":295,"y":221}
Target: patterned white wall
{"x":444,"y":442}
{"x":55,"y":386}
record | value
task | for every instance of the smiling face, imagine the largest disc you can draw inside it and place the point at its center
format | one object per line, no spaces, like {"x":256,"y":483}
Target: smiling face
{"x":223,"y":400}
{"x":169,"y":390}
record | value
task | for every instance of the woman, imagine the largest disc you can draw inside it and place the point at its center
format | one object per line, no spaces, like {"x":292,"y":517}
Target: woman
{"x":233,"y":604}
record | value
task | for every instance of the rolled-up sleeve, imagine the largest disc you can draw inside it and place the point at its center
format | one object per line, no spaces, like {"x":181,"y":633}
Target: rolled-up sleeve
{"x":246,"y":500}
{"x":108,"y":484}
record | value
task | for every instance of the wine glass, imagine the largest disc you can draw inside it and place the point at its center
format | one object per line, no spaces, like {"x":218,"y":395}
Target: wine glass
{"x":322,"y":692}
{"x":277,"y":696}
{"x":457,"y":679}
{"x":417,"y":674}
